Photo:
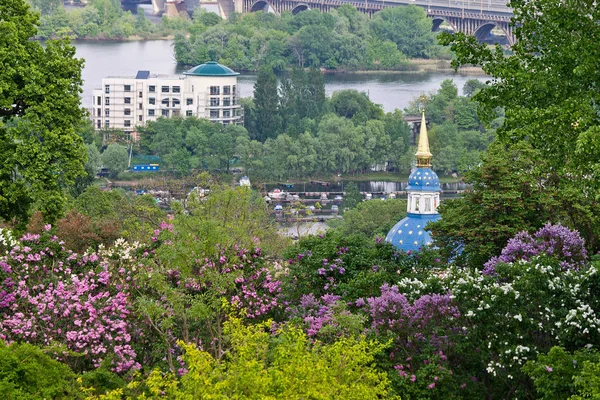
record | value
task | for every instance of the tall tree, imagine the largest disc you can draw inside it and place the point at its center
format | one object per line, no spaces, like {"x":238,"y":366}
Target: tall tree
{"x":266,"y":101}
{"x":39,"y":111}
{"x":549,"y":89}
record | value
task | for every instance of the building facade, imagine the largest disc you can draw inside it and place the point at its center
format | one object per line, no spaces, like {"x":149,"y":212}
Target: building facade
{"x":206,"y":91}
{"x":423,"y":190}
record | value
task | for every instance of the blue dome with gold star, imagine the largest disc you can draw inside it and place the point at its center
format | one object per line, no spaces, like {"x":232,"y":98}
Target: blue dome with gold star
{"x":423,"y":189}
{"x":409,"y":234}
{"x":424,"y":179}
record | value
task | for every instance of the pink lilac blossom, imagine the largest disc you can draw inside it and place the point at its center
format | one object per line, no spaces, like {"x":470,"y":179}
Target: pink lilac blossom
{"x":49,"y":295}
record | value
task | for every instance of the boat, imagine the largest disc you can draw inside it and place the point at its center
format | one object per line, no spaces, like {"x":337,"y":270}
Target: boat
{"x":245,"y":181}
{"x":277,"y":194}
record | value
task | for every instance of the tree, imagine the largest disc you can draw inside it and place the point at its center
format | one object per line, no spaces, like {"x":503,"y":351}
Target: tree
{"x":408,"y":27}
{"x":266,"y":102}
{"x":39,"y":111}
{"x":547,"y":89}
{"x":510,"y":194}
{"x":115,"y":158}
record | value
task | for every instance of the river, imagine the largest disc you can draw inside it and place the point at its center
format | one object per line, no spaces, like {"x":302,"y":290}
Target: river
{"x":111,"y":58}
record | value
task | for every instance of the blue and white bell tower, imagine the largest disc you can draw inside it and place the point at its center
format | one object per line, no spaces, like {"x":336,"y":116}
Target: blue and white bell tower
{"x":423,"y":200}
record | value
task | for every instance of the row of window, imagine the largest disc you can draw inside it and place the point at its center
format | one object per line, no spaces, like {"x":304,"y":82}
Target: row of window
{"x":151,"y":89}
{"x":126,"y":123}
{"x":216,"y":90}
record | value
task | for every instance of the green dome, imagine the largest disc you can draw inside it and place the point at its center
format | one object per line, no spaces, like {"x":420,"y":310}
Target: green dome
{"x":211,"y":68}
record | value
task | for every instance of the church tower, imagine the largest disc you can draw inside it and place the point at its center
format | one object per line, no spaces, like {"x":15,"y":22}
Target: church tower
{"x":423,"y":200}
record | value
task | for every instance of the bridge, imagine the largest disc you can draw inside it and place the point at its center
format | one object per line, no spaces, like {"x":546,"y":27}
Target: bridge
{"x":473,"y":17}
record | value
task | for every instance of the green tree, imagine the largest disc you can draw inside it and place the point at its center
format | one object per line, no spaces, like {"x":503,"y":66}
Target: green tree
{"x":408,"y":27}
{"x":352,"y":196}
{"x":373,"y":217}
{"x":547,"y":89}
{"x":39,"y":109}
{"x":284,"y":365}
{"x":115,"y":158}
{"x":510,"y":194}
{"x":26,"y":372}
{"x":266,"y":102}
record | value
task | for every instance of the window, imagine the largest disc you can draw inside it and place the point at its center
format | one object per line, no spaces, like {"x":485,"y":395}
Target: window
{"x":140,"y":106}
{"x":107,"y":89}
{"x":140,"y":118}
{"x":152,"y":101}
{"x":99,"y":102}
{"x":127,"y":100}
{"x":107,"y":101}
{"x":164,"y":89}
{"x":176,"y":102}
{"x":127,"y":135}
{"x":106,"y":134}
{"x":188,"y":113}
{"x":226,"y":90}
{"x":151,"y":112}
{"x":214,"y":113}
{"x":165,"y":113}
{"x":233,"y":90}
{"x":98,"y":112}
{"x":107,"y":112}
{"x":176,"y":89}
{"x":127,"y":88}
{"x":189,"y":102}
{"x":165,"y":102}
{"x":226,"y":102}
{"x":140,"y":95}
{"x":214,"y":101}
{"x":152,"y":88}
{"x":226,"y":114}
{"x":127,"y":111}
{"x":127,"y":123}
{"x":98,"y":124}
{"x":107,"y":124}
{"x":214,"y":90}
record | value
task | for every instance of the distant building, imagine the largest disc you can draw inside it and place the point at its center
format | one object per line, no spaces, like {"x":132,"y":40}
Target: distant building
{"x":206,"y":91}
{"x":423,"y":200}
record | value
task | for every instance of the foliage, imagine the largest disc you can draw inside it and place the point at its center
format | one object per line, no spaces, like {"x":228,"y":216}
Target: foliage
{"x":190,"y":143}
{"x":115,"y":158}
{"x":556,"y":373}
{"x":343,"y":39}
{"x":285,"y":365}
{"x":373,"y":217}
{"x":560,"y":242}
{"x":39,"y":110}
{"x":548,"y":95}
{"x":504,"y":200}
{"x":408,"y":27}
{"x":512,"y":317}
{"x":26,"y":372}
{"x":53,"y":297}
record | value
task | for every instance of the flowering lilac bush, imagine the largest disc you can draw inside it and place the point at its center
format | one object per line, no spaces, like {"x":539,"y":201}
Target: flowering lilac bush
{"x":552,"y":240}
{"x":326,"y":318}
{"x":422,"y":332}
{"x":186,"y":293}
{"x":77,"y":304}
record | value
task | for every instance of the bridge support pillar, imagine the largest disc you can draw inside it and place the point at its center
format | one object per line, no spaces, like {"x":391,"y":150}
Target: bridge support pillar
{"x":228,"y":7}
{"x":158,"y":6}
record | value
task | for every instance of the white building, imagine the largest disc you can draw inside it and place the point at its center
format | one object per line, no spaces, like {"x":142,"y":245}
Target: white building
{"x":206,"y":91}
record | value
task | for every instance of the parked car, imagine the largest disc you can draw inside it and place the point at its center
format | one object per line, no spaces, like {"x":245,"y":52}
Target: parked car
{"x":338,"y":198}
{"x":334,"y":208}
{"x":278,"y":207}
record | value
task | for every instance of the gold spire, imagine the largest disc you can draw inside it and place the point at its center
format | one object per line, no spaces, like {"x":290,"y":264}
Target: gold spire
{"x":423,"y":153}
